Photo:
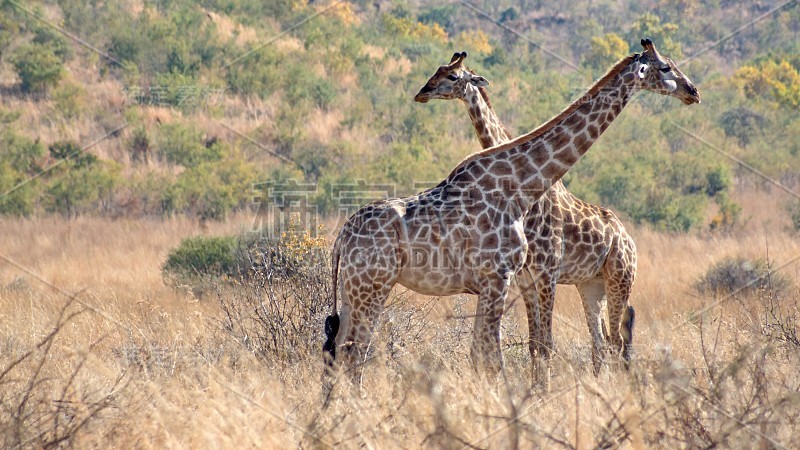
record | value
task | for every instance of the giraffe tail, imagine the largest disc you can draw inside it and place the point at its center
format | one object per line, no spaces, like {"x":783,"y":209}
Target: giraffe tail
{"x":332,"y":321}
{"x":626,"y":331}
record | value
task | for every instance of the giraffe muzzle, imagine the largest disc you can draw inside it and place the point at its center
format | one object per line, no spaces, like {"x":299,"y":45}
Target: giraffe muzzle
{"x":423,"y":96}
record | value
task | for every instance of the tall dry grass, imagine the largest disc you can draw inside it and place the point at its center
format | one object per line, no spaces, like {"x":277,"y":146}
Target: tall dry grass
{"x":132,"y":363}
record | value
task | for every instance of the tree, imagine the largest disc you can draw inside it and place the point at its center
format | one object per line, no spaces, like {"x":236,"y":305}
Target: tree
{"x":649,"y":26}
{"x":775,"y":80}
{"x":38,"y":67}
{"x":606,"y":50}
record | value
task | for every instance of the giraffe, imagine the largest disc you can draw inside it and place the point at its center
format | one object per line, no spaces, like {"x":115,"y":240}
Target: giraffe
{"x":570,"y":241}
{"x":465,"y":235}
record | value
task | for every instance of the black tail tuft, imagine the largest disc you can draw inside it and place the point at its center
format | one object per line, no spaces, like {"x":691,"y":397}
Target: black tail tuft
{"x":331,"y":330}
{"x":628,"y":320}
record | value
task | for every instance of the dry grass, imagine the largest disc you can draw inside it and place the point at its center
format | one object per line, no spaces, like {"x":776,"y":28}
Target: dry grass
{"x":142,"y":365}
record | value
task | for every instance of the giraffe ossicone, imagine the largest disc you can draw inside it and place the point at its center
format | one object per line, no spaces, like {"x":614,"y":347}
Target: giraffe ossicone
{"x":476,"y":214}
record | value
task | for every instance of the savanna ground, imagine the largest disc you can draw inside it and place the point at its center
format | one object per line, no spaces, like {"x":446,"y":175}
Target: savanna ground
{"x":131,"y":362}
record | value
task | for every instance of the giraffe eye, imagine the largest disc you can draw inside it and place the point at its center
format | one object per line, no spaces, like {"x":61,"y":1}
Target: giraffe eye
{"x":665,"y":69}
{"x":452,"y":77}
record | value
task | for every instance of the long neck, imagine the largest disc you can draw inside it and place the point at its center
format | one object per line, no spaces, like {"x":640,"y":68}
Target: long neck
{"x":553,"y":152}
{"x":487,"y":125}
{"x":528,"y":166}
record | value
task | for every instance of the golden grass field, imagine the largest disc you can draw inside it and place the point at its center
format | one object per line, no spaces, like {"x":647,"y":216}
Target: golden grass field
{"x":147,"y":366}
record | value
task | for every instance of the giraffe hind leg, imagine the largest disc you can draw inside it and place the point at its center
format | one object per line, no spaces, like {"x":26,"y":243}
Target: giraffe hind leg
{"x":592,"y":293}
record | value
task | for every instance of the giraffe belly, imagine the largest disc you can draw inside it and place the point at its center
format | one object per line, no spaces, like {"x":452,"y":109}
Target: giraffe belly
{"x":579,"y":270}
{"x":432,"y":277}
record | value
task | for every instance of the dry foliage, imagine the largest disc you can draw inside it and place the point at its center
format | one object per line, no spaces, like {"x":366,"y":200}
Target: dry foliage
{"x":133,"y":363}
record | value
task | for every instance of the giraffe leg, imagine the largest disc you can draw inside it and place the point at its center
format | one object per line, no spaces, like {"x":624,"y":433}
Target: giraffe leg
{"x":620,"y":272}
{"x":360,"y":308}
{"x":545,"y":292}
{"x":540,"y":373}
{"x":620,"y":321}
{"x":486,"y":352}
{"x":592,"y":293}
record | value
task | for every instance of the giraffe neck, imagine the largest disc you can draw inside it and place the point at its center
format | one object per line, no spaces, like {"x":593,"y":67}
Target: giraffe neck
{"x":487,"y":125}
{"x":526,"y":167}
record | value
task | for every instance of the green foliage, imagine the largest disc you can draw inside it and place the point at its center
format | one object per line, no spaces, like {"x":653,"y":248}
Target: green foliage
{"x":51,"y":38}
{"x":793,"y":208}
{"x":21,"y":153}
{"x":81,"y":184}
{"x":211,"y":190}
{"x":38,"y":67}
{"x":9,"y":30}
{"x":69,"y":150}
{"x":16,"y":198}
{"x":606,"y":50}
{"x":335,"y":98}
{"x":182,"y":144}
{"x":665,"y":35}
{"x":441,"y":15}
{"x":742,"y":123}
{"x":205,"y":256}
{"x":69,"y":99}
{"x":776,"y":80}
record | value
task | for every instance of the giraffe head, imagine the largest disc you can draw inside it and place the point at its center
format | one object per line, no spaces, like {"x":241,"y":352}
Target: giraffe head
{"x":450,"y":81}
{"x":657,"y":73}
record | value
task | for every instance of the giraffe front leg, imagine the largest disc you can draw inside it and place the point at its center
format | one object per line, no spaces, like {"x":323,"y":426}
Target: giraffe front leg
{"x":544,"y":292}
{"x":486,"y":352}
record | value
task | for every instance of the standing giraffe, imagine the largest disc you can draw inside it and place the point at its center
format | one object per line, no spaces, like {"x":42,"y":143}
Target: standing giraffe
{"x":569,"y":241}
{"x":465,"y":235}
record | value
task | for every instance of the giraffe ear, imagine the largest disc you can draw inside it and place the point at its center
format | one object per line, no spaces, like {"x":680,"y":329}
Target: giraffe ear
{"x":479,"y":81}
{"x":456,"y":57}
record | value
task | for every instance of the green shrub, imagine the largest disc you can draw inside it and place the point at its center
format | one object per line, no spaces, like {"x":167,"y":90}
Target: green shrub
{"x":737,"y":275}
{"x":793,"y":208}
{"x":80,"y":185}
{"x":201,"y":260}
{"x":181,"y":144}
{"x":211,"y":190}
{"x":20,"y":152}
{"x":202,"y":256}
{"x":38,"y":67}
{"x":15,"y":201}
{"x":69,"y":99}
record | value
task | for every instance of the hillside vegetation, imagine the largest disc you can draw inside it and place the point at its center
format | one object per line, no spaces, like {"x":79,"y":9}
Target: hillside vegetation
{"x":186,"y":105}
{"x":139,"y":310}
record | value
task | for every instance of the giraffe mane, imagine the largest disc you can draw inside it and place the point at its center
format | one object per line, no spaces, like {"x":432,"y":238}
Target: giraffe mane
{"x":485,"y":96}
{"x":550,"y":124}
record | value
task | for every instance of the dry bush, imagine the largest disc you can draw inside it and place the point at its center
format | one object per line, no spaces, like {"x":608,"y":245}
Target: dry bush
{"x":43,"y":404}
{"x":278,"y":309}
{"x":740,"y":275}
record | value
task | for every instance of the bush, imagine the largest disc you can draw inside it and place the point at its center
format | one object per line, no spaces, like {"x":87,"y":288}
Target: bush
{"x":81,"y":188}
{"x":38,"y":67}
{"x":202,"y":257}
{"x":740,"y":276}
{"x":70,"y":99}
{"x":279,"y":312}
{"x":793,"y":209}
{"x":183,"y":145}
{"x":211,"y":190}
{"x":18,"y":201}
